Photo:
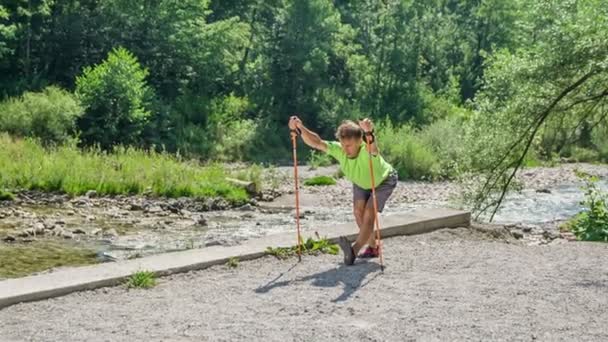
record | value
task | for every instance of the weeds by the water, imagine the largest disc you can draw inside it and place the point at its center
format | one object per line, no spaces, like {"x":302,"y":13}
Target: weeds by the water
{"x":26,"y":164}
{"x":592,"y":223}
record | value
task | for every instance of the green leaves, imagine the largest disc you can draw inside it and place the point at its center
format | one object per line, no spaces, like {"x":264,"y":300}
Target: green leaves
{"x":116,"y":100}
{"x":142,"y":280}
{"x":558,"y":79}
{"x":7,"y":32}
{"x":310,"y":246}
{"x":218,"y":79}
{"x":592,"y":223}
{"x":320,"y":181}
{"x":49,"y":115}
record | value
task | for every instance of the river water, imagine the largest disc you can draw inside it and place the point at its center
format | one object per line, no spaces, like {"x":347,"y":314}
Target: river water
{"x":233,"y":226}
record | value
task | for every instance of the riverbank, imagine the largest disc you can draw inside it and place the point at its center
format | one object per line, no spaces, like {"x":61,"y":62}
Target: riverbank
{"x":99,"y":229}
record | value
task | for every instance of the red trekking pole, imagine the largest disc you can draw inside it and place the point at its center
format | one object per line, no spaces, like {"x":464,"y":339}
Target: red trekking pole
{"x":377,"y":223}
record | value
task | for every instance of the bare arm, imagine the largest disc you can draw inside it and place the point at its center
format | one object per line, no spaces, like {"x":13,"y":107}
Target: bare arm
{"x":309,"y":137}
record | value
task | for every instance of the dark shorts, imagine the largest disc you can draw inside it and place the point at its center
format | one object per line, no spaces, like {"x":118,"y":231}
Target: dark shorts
{"x":383,"y":191}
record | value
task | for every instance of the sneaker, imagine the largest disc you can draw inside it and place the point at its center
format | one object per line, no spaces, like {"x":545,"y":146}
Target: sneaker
{"x":347,"y":249}
{"x":369,"y":252}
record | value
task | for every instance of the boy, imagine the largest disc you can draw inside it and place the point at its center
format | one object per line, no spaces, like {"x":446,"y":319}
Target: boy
{"x":350,"y":152}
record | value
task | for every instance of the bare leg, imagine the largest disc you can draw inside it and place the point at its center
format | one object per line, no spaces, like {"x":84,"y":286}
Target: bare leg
{"x":365,"y":230}
{"x":359,"y":211}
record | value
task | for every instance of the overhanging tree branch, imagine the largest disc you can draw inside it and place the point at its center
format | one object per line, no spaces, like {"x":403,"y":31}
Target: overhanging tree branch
{"x":541,"y":118}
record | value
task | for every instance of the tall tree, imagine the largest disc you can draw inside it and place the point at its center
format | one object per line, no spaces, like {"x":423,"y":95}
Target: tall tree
{"x":564,"y":74}
{"x":307,"y":55}
{"x":7,"y":33}
{"x":176,"y":43}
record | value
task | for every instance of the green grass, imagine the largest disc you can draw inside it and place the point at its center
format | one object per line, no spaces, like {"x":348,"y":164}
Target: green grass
{"x":592,"y":223}
{"x":310,"y":247}
{"x":252,"y":174}
{"x":25,"y":164}
{"x":402,"y":148}
{"x":18,"y":260}
{"x":142,"y":280}
{"x":6,"y":196}
{"x":320,"y":180}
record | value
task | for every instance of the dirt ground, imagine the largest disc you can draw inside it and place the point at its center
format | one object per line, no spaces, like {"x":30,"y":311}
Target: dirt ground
{"x":453,"y":284}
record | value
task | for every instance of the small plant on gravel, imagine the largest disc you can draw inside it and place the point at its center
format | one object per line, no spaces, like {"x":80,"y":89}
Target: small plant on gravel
{"x":320,"y":180}
{"x":233,"y":262}
{"x":592,"y":223}
{"x":142,"y":279}
{"x":281,"y":252}
{"x":318,"y":246}
{"x":310,"y":246}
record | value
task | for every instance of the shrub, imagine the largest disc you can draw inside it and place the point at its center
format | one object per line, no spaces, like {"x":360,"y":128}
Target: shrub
{"x":49,"y":115}
{"x":592,"y":223}
{"x":116,"y":99}
{"x":406,"y":153}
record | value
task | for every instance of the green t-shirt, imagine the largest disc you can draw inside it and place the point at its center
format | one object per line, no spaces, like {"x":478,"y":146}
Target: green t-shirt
{"x":356,"y":169}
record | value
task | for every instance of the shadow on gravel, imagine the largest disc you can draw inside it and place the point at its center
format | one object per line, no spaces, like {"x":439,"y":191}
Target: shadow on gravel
{"x":350,"y":277}
{"x":593,"y":284}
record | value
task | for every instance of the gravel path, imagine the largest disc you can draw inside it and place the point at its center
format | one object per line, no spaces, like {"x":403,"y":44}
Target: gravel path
{"x":461,"y":284}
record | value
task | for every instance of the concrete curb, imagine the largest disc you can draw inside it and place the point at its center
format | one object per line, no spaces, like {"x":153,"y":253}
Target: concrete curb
{"x":70,"y":280}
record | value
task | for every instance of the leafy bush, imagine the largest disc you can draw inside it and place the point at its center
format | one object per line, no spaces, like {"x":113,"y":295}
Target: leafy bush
{"x":231,"y":133}
{"x":592,"y":223}
{"x":584,"y":155}
{"x":116,"y":100}
{"x":213,"y":129}
{"x":233,"y":141}
{"x":445,"y":139}
{"x":401,"y":147}
{"x":49,"y":115}
{"x":443,"y":107}
{"x":269,"y":145}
